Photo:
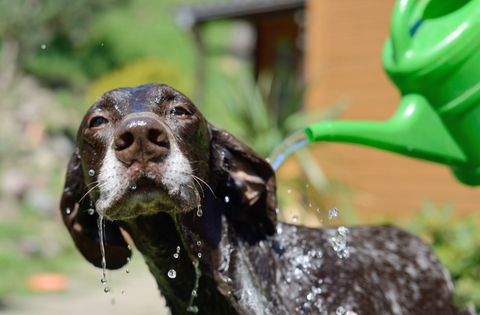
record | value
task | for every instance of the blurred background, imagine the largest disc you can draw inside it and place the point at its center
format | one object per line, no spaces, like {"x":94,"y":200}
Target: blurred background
{"x":260,"y":69}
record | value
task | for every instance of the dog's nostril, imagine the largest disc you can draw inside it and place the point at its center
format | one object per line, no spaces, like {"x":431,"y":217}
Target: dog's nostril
{"x":124,"y":141}
{"x":158,"y":137}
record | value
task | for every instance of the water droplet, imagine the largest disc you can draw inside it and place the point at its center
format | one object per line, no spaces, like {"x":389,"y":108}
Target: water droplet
{"x":123,"y":292}
{"x":295,"y":218}
{"x":133,"y":187}
{"x":91,"y":172}
{"x":229,"y":292}
{"x":227,"y":199}
{"x":172,"y":274}
{"x":289,"y":191}
{"x":91,"y":211}
{"x":310,"y":296}
{"x":128,"y":260}
{"x":175,"y":255}
{"x":309,"y":205}
{"x":199,"y":255}
{"x":318,"y":210}
{"x":194,"y":293}
{"x":106,"y":290}
{"x":102,"y":44}
{"x":127,"y":271}
{"x":103,"y":280}
{"x":199,"y":211}
{"x":320,"y":281}
{"x":289,"y":280}
{"x":44,"y":46}
{"x":339,"y":242}
{"x":68,"y":211}
{"x":129,"y":247}
{"x":340,"y":310}
{"x":307,"y":186}
{"x":332,"y":213}
{"x":178,"y":249}
{"x":277,"y":210}
{"x":192,"y":309}
{"x":199,"y":243}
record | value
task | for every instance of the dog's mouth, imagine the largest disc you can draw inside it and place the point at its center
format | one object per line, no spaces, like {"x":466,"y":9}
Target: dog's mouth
{"x":144,"y":185}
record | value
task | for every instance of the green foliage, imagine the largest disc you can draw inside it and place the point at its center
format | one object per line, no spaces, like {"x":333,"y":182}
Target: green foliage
{"x":456,"y":241}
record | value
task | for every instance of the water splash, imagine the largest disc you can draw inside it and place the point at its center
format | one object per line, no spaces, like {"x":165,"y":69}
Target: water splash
{"x":287,"y":147}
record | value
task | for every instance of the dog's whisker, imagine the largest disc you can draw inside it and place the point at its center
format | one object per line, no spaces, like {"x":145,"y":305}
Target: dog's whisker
{"x":200,"y":185}
{"x":201,"y":180}
{"x":86,"y":194}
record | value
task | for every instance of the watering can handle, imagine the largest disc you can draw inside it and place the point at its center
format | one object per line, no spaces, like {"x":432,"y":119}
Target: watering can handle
{"x":399,"y":29}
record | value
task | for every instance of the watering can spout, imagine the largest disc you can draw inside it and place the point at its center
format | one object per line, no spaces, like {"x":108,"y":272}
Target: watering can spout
{"x":415,"y":130}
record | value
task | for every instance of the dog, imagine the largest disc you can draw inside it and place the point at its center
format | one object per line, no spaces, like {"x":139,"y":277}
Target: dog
{"x":201,"y":208}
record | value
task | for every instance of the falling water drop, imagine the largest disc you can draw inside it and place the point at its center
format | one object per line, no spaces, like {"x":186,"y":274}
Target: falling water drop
{"x":129,"y":247}
{"x":68,"y":211}
{"x":194,"y":293}
{"x":199,"y":211}
{"x":340,"y":310}
{"x":289,"y":191}
{"x":227,"y":199}
{"x":44,"y":46}
{"x":91,"y":172}
{"x":172,"y":274}
{"x":106,"y":290}
{"x":127,"y":271}
{"x":295,"y":218}
{"x":123,"y":292}
{"x":332,"y":213}
{"x":103,"y":280}
{"x":178,"y":249}
{"x":128,"y":260}
{"x":175,"y":255}
{"x":91,"y":211}
{"x":309,"y":205}
{"x":318,"y":210}
{"x":199,"y":255}
{"x":199,"y":243}
{"x":133,"y":187}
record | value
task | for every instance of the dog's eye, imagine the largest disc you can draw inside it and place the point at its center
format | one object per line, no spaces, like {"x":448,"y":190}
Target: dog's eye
{"x":179,"y":111}
{"x":97,"y":122}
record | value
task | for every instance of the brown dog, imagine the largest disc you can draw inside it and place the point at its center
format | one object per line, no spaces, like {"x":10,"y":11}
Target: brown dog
{"x":197,"y":201}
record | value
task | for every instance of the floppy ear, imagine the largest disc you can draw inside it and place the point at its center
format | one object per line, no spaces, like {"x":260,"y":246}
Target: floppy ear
{"x":246,"y":179}
{"x":83,"y":226}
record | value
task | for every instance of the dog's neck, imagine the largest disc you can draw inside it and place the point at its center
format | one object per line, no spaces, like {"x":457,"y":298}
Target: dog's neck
{"x":201,"y":241}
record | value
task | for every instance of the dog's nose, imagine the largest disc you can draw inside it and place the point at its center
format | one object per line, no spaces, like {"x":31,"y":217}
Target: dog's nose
{"x":141,"y":139}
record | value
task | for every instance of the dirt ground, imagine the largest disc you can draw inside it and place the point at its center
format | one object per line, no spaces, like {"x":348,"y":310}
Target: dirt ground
{"x":84,"y":294}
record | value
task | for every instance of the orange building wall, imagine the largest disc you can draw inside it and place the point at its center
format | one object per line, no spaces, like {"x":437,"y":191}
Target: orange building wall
{"x":343,"y":58}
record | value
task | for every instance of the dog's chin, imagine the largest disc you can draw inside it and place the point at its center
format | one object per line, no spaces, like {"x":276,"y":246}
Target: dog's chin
{"x":149,"y":200}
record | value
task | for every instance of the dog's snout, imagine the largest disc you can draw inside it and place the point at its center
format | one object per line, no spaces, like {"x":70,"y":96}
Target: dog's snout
{"x":141,"y":139}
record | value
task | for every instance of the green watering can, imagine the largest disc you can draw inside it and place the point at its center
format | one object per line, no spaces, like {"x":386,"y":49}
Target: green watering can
{"x":433,"y":57}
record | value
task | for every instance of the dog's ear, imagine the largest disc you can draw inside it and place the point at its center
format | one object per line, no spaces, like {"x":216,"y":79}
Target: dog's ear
{"x":82,"y":223}
{"x":244,"y":181}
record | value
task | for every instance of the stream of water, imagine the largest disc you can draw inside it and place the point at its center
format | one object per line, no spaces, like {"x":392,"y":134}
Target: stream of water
{"x":287,"y":147}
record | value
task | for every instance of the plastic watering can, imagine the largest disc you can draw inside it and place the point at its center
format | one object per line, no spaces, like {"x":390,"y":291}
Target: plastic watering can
{"x":433,"y":57}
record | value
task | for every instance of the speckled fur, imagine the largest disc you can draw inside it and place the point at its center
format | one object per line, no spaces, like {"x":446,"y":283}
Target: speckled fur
{"x":249,"y":263}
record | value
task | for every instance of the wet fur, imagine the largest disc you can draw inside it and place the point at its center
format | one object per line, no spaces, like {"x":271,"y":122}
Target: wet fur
{"x":250,"y":264}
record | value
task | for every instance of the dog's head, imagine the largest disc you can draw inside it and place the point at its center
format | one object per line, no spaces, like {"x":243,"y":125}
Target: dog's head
{"x":146,"y":150}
